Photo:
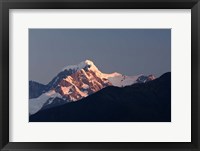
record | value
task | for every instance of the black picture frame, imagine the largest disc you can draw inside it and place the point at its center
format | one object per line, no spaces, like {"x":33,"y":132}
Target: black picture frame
{"x":5,"y":5}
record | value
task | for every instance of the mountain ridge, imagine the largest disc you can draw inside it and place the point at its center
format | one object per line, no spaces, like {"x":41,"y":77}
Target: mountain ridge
{"x":141,"y":102}
{"x":75,"y":82}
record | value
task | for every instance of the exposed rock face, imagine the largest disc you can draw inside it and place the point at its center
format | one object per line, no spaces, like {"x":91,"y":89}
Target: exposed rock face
{"x":151,"y":77}
{"x":143,"y":78}
{"x":81,"y":84}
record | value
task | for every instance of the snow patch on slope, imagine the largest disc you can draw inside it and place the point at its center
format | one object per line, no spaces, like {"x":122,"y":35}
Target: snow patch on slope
{"x":37,"y":103}
{"x":120,"y":80}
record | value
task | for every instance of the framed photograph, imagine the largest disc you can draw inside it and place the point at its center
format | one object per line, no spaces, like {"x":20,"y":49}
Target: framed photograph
{"x":99,"y":75}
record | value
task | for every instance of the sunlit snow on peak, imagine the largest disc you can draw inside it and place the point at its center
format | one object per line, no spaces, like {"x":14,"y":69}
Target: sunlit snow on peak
{"x":87,"y":64}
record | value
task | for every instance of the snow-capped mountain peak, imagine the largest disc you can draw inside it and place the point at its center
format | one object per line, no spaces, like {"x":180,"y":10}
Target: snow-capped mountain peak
{"x":87,"y":64}
{"x":75,"y":82}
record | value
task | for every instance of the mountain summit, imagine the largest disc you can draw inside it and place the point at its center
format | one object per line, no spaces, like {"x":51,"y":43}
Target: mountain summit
{"x":87,"y":64}
{"x":75,"y":82}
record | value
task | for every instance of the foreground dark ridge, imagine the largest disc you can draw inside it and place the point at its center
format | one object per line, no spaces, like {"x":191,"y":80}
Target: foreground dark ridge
{"x":142,"y":102}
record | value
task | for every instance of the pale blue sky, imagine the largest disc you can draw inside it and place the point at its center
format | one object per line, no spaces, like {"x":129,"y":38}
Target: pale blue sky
{"x":127,"y":51}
